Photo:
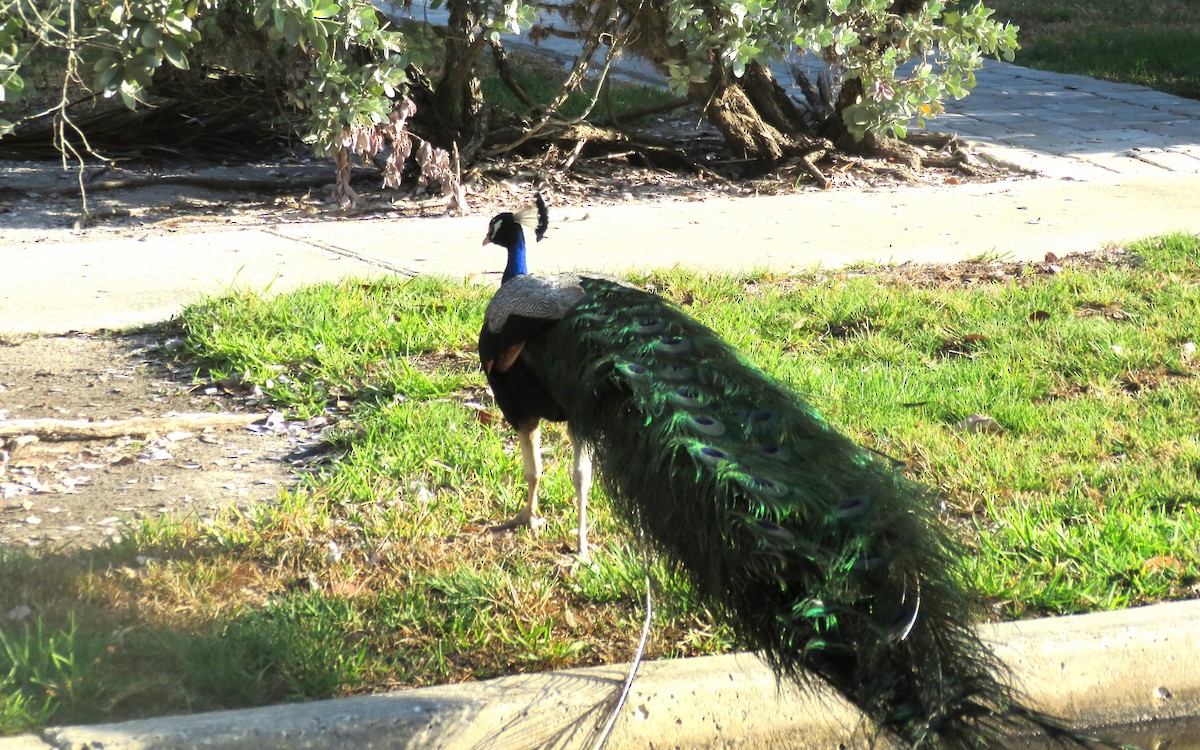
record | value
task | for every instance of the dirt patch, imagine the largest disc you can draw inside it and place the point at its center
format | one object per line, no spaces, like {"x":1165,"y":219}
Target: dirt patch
{"x":66,"y":490}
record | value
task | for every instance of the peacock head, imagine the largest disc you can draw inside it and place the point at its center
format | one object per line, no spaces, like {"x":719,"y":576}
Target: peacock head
{"x":505,"y":230}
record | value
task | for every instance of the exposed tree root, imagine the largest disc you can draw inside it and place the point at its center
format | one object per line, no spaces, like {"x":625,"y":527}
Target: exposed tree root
{"x":583,"y":141}
{"x":213,"y":183}
{"x":171,"y":129}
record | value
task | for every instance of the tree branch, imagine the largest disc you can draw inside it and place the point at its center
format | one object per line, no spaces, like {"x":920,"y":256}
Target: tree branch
{"x":506,"y":75}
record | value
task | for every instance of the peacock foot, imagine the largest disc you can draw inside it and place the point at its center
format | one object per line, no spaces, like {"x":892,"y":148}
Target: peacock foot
{"x":584,"y":553}
{"x":524,"y":518}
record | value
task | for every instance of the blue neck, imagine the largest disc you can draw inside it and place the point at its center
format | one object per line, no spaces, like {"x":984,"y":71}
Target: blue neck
{"x":516,"y":259}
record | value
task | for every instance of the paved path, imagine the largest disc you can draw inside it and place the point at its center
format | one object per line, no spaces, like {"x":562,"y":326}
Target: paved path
{"x":1055,"y":124}
{"x":1074,"y":127}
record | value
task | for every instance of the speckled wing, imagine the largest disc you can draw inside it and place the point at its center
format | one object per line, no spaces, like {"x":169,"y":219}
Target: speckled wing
{"x":523,"y":308}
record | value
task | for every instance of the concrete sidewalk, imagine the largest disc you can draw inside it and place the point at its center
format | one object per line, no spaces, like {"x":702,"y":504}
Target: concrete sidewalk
{"x":114,"y":283}
{"x":1121,"y":162}
{"x":1077,"y":128}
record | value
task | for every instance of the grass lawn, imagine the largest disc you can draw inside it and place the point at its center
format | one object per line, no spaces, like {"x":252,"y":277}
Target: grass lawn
{"x":1155,"y":44}
{"x":377,"y":573}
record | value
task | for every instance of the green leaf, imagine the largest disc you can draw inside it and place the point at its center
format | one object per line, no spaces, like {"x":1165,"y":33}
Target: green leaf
{"x":292,"y":30}
{"x":128,"y":92}
{"x":177,"y":24}
{"x":151,"y":37}
{"x":11,"y":87}
{"x":109,"y":75}
{"x":320,"y":42}
{"x":174,"y":54}
{"x":261,"y":14}
{"x":367,"y":19}
{"x":326,"y":9}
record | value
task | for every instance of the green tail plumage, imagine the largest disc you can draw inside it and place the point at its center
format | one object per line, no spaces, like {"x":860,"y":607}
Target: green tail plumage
{"x":812,"y":548}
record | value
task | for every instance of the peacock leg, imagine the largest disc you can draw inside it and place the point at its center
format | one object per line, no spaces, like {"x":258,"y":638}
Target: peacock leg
{"x":581,"y":477}
{"x":531,"y":456}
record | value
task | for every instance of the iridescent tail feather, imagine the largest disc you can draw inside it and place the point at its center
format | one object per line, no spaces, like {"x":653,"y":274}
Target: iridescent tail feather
{"x":811,"y":547}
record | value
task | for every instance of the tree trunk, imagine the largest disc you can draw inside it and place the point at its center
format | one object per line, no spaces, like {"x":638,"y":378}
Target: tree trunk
{"x":872,"y":145}
{"x":756,"y":118}
{"x":834,"y":128}
{"x":772,"y":101}
{"x":731,"y":111}
{"x":459,"y":85}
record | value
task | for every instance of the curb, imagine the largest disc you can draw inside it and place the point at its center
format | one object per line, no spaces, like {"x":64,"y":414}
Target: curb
{"x":1132,"y":666}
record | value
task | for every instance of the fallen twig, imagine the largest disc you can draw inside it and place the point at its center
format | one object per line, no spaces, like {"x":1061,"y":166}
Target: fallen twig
{"x":82,"y":429}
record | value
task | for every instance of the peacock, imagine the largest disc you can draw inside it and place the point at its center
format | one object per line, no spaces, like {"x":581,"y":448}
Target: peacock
{"x":814,"y":549}
{"x":517,"y":389}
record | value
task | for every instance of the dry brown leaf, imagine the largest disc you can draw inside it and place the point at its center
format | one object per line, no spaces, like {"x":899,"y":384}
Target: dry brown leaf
{"x":350,"y":589}
{"x":1162,"y":563}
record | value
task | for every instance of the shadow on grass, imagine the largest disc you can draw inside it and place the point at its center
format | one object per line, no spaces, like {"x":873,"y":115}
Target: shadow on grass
{"x":103,"y":656}
{"x":85,"y":651}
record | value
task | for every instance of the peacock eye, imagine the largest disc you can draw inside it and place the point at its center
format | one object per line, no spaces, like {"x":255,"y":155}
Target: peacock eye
{"x":766,"y":487}
{"x":851,"y":508}
{"x":650,"y":324}
{"x":710,"y":455}
{"x":706,"y":425}
{"x":633,"y":371}
{"x":673,"y":344}
{"x":677,"y":372}
{"x":686,"y":396}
